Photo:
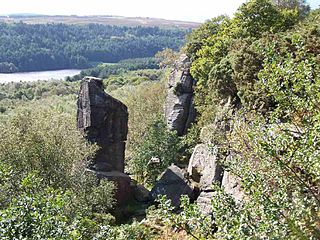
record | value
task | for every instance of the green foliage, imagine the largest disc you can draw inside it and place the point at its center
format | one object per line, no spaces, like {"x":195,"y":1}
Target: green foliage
{"x":29,"y":47}
{"x":131,"y":231}
{"x":37,"y":216}
{"x":44,"y":212}
{"x":42,"y":140}
{"x":272,"y":64}
{"x":259,"y":61}
{"x":158,"y":143}
{"x":105,"y":70}
{"x":260,"y":16}
{"x":188,"y":220}
{"x":92,"y":196}
{"x":290,"y":74}
{"x":132,"y":78}
{"x":36,"y":90}
{"x":197,"y":39}
{"x":145,"y":103}
{"x":226,"y":61}
{"x":279,"y":171}
{"x":166,"y":57}
{"x":191,"y":139}
{"x":298,"y":5}
{"x":45,"y":192}
{"x":246,"y":62}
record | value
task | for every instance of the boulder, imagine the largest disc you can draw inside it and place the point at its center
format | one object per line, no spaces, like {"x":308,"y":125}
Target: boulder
{"x":231,"y":185}
{"x":173,"y":184}
{"x":204,"y":202}
{"x":141,"y":194}
{"x":123,"y":194}
{"x":203,"y":167}
{"x":179,"y":109}
{"x":104,"y":120}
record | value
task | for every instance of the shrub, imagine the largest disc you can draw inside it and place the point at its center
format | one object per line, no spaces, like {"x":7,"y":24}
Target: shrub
{"x":39,"y":215}
{"x":145,"y":103}
{"x":158,"y":143}
{"x":43,"y":140}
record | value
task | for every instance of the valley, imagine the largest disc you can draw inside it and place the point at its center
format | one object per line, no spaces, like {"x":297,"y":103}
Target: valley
{"x":145,"y":129}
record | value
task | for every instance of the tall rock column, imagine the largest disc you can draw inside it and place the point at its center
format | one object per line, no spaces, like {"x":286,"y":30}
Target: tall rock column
{"x":179,"y":108}
{"x":104,"y":119}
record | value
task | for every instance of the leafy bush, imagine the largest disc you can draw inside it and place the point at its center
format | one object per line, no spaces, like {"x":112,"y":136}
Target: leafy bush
{"x":225,"y":64}
{"x":37,"y":216}
{"x":43,"y":140}
{"x":45,"y":191}
{"x":188,"y":222}
{"x":131,"y":231}
{"x":145,"y":104}
{"x":132,"y":78}
{"x":36,"y":90}
{"x":158,"y":143}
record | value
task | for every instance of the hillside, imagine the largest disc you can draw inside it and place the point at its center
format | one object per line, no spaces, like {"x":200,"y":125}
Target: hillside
{"x":34,"y":47}
{"x":219,"y":141}
{"x":105,"y":20}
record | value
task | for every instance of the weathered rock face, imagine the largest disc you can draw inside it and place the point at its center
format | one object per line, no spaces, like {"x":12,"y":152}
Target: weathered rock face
{"x":203,"y":167}
{"x":104,"y":119}
{"x":231,"y":185}
{"x":179,"y":108}
{"x":204,"y":202}
{"x":205,"y":171}
{"x":172,"y":184}
{"x":141,"y":194}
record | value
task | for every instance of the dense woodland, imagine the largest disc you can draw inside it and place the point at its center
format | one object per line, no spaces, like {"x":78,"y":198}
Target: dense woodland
{"x":26,"y":47}
{"x":259,"y":71}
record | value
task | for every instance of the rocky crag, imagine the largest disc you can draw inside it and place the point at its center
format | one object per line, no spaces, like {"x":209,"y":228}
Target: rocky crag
{"x":179,"y":108}
{"x":104,"y":121}
{"x":204,"y":169}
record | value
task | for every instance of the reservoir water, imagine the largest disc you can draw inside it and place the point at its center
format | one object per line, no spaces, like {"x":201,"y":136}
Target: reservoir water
{"x":41,"y":75}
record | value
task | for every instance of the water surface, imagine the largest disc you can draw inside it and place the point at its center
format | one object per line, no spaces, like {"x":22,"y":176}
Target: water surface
{"x":34,"y":76}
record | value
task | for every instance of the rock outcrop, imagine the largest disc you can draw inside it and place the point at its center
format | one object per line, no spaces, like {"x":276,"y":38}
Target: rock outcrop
{"x":179,"y":108}
{"x":205,"y":171}
{"x":173,"y":184}
{"x":104,"y":120}
{"x":203,"y":167}
{"x":231,"y":185}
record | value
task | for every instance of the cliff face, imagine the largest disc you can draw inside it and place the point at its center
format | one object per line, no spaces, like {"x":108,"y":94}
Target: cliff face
{"x":179,"y":108}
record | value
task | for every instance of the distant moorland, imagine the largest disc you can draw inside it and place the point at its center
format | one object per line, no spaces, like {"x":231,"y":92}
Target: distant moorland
{"x":99,"y":19}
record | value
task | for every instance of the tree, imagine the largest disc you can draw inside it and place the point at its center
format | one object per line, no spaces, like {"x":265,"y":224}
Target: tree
{"x":300,"y":5}
{"x":158,"y":151}
{"x":166,"y":57}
